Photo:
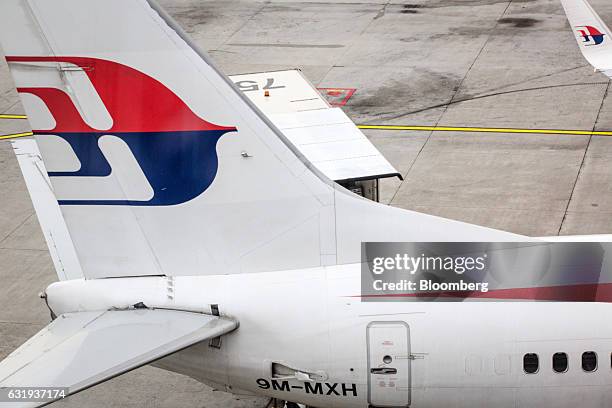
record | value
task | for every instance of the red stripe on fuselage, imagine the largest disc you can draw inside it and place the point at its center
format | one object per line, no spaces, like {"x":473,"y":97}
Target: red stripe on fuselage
{"x":601,"y":292}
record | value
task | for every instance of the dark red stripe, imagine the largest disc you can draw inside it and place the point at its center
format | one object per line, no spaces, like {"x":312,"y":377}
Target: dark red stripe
{"x":601,"y":292}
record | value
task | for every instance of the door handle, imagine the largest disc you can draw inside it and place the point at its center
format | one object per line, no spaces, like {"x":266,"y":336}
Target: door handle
{"x":299,"y":376}
{"x":383,"y":370}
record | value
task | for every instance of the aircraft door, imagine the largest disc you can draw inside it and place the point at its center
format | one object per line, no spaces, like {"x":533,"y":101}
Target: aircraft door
{"x":388,"y":364}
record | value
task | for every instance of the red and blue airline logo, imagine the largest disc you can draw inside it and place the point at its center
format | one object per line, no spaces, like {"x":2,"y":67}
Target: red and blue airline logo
{"x":590,"y":35}
{"x":174,"y":147}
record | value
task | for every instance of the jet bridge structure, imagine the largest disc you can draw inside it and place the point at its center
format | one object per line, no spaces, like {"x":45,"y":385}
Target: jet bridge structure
{"x":324,"y":134}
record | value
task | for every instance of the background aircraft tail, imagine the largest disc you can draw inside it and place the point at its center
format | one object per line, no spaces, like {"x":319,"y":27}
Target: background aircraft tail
{"x":162,"y":167}
{"x":592,"y":34}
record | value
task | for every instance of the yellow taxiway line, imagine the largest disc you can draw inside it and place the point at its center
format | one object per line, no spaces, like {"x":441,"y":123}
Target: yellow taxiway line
{"x":416,"y":128}
{"x":489,"y":130}
{"x":15,"y":135}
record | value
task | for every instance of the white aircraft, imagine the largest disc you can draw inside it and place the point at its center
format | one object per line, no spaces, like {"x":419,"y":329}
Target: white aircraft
{"x":208,"y":245}
{"x":592,"y":34}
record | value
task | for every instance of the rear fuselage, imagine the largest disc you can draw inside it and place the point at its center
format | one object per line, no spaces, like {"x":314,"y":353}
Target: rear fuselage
{"x":445,"y":354}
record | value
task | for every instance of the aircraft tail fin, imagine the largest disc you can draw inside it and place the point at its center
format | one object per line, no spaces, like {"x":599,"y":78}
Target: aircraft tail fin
{"x":161,"y":166}
{"x":592,"y":34}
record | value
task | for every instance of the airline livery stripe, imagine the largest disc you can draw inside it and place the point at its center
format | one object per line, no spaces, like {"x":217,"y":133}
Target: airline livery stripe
{"x":595,"y":292}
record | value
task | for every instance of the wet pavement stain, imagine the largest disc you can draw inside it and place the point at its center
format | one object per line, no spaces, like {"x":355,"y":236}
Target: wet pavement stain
{"x":519,"y":22}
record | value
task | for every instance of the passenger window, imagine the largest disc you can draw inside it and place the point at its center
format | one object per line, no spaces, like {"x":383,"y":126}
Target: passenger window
{"x":559,"y":362}
{"x":531,"y":363}
{"x":589,"y":361}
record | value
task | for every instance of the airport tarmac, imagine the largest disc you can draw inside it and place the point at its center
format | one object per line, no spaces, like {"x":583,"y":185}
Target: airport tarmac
{"x":473,"y":63}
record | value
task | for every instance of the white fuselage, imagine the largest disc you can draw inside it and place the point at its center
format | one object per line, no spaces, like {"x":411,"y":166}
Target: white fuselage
{"x":445,"y":354}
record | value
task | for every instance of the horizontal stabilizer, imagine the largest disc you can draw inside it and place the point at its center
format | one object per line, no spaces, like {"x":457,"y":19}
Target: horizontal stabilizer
{"x":79,"y":350}
{"x":592,"y":34}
